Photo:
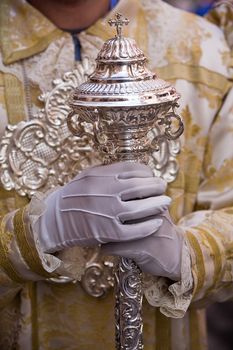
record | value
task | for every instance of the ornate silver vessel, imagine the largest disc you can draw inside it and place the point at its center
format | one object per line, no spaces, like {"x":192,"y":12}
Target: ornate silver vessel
{"x":128,"y":113}
{"x":121,"y":102}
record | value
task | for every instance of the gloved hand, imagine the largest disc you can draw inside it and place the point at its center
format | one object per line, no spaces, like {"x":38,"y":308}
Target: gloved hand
{"x":158,"y":254}
{"x":113,"y":203}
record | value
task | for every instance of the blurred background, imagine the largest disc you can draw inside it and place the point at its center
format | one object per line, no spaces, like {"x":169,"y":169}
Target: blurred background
{"x":201,"y":7}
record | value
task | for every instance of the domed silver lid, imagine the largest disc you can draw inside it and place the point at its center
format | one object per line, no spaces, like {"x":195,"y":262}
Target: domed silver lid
{"x":121,"y":77}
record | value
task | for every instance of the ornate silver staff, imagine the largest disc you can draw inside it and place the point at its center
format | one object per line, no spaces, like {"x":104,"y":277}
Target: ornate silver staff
{"x":128,"y":113}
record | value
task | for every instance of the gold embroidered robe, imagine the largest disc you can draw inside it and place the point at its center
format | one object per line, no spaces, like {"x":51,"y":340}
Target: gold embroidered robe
{"x":194,"y":55}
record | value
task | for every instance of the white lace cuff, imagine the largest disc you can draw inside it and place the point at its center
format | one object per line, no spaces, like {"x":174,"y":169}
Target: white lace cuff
{"x":69,"y":263}
{"x":172,"y":299}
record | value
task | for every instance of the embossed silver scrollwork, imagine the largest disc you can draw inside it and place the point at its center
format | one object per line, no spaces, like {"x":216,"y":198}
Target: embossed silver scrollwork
{"x":42,"y":153}
{"x":98,"y":277}
{"x":129,"y":300}
{"x":165,"y":145}
{"x":167,"y":121}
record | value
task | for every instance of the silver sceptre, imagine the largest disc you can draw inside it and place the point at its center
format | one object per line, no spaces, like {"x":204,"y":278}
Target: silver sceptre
{"x":127,"y":112}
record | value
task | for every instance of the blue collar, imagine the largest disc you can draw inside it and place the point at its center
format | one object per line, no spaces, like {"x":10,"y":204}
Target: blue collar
{"x":113,"y":3}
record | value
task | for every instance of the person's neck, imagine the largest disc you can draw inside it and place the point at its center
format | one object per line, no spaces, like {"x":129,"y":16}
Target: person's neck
{"x":72,"y":14}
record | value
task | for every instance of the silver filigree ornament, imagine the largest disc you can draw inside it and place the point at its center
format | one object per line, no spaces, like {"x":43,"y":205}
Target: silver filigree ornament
{"x":130,"y":114}
{"x":42,"y":153}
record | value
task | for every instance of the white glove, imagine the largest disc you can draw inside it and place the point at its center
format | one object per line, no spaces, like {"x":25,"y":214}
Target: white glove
{"x":159,"y":254}
{"x":112,"y":203}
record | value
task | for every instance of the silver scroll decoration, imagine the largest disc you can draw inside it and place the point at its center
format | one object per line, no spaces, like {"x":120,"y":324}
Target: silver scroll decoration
{"x":128,"y":302}
{"x":40,"y":154}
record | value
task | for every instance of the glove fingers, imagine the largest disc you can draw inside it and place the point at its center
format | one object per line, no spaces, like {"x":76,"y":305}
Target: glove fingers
{"x":126,"y":249}
{"x":140,"y":173}
{"x":136,"y":231}
{"x":135,"y":250}
{"x":144,"y":208}
{"x":94,"y":185}
{"x":143,"y":191}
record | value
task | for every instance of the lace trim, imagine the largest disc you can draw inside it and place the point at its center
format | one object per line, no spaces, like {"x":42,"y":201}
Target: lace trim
{"x":172,"y":299}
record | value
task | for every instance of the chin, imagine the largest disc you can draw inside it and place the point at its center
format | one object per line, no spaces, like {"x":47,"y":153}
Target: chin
{"x":67,"y":2}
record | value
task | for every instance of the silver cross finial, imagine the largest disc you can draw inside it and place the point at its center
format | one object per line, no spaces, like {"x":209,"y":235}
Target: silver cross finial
{"x":119,"y":22}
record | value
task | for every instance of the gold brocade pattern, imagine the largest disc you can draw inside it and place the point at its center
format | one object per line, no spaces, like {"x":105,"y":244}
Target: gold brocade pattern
{"x":223,"y":178}
{"x":194,"y":74}
{"x":57,"y":316}
{"x":14,"y":92}
{"x":21,"y":44}
{"x":180,"y":51}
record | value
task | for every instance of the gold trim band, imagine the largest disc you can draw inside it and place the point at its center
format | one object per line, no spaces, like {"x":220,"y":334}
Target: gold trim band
{"x":5,"y":240}
{"x":195,"y":74}
{"x":14,"y":99}
{"x":199,"y":261}
{"x":216,"y":256}
{"x":28,"y":252}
